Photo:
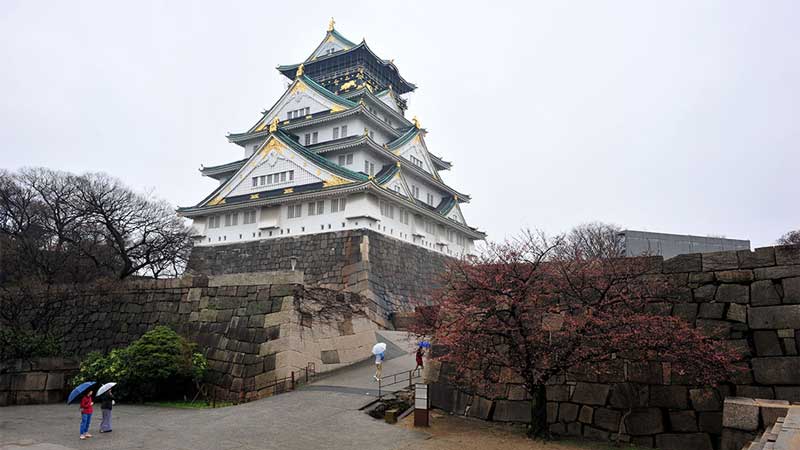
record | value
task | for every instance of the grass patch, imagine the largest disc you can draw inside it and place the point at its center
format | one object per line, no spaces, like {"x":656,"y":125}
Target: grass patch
{"x":185,"y":404}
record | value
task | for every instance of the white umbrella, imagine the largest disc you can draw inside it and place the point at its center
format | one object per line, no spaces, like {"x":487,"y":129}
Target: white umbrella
{"x":377,"y":349}
{"x":104,"y":388}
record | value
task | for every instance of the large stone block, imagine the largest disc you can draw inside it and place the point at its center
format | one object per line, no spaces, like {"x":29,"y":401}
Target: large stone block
{"x":673,"y":397}
{"x":683,"y":421}
{"x":766,"y":343}
{"x":715,"y":261}
{"x":55,"y":381}
{"x":594,"y":434}
{"x":760,"y":257}
{"x":330,"y":357}
{"x":481,"y":408}
{"x":32,"y":381}
{"x":778,"y":272}
{"x":787,"y":254}
{"x":590,"y":393}
{"x":607,"y":419}
{"x":686,"y":311}
{"x":737,"y":313}
{"x":557,"y":392}
{"x":734,"y":276}
{"x":585,"y":415}
{"x":735,"y":439}
{"x":552,"y":412}
{"x":719,"y":329}
{"x":705,"y":293}
{"x":642,"y":422}
{"x":740,"y":413}
{"x":683,"y":263}
{"x":711,"y":310}
{"x":693,"y":441}
{"x":568,"y":412}
{"x":755,"y":391}
{"x":783,"y":370}
{"x":774,"y":317}
{"x":791,"y":290}
{"x":791,"y":393}
{"x":733,"y":293}
{"x":763,"y":293}
{"x":510,"y":411}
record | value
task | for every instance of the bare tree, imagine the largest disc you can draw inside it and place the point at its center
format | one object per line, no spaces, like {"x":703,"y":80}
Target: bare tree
{"x":790,"y":238}
{"x":593,"y":240}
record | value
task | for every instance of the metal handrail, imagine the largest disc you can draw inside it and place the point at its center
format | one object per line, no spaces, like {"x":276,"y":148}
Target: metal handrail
{"x":408,"y":375}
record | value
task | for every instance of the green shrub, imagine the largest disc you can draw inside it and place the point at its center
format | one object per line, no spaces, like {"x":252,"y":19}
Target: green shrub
{"x":159,"y":365}
{"x":24,"y":344}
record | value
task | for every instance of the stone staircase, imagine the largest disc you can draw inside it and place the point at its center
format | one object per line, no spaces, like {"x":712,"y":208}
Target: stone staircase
{"x":784,"y":434}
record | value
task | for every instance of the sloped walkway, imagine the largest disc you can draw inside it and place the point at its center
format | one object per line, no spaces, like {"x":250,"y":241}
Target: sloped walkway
{"x":358,"y":379}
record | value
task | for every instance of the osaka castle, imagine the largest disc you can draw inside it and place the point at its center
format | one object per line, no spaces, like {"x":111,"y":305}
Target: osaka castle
{"x":335,"y":152}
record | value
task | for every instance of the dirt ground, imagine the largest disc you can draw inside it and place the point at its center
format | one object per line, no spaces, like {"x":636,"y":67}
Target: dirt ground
{"x":460,"y":433}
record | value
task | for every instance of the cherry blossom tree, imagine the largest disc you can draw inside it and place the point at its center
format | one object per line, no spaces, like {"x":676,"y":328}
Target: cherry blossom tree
{"x":523,"y":313}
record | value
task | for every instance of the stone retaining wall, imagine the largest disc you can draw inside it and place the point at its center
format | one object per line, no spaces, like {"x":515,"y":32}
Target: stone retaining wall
{"x":750,"y":298}
{"x":396,"y":275}
{"x":254,"y":328}
{"x":744,"y":419}
{"x":37,"y":380}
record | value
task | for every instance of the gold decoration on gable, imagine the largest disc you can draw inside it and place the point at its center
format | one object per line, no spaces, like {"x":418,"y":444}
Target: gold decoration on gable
{"x":253,"y":196}
{"x":331,"y":24}
{"x":298,"y":87}
{"x":416,"y":122}
{"x":337,"y":108}
{"x":273,"y":127}
{"x":288,"y":190}
{"x":347,"y":85}
{"x":299,"y":72}
{"x":334,"y":181}
{"x":218,"y":200}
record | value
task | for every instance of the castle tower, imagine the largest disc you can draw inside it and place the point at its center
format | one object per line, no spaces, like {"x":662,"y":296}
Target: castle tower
{"x":335,"y":152}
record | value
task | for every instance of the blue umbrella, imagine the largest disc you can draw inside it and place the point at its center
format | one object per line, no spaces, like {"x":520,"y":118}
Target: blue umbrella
{"x":78,"y":391}
{"x":425,"y":344}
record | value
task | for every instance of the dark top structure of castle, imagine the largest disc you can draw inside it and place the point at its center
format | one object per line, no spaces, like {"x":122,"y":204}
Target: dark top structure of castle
{"x":335,"y":152}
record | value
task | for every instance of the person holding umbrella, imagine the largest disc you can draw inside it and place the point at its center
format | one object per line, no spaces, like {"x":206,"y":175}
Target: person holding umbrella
{"x":86,"y":414}
{"x":378,"y":350}
{"x":106,"y":402}
{"x":84,"y":392}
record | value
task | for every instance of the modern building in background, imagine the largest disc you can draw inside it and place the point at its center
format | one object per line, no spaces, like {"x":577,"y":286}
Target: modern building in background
{"x":335,"y":152}
{"x":668,"y":245}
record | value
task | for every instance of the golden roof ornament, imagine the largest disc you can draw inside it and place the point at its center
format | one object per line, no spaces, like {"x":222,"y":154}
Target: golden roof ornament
{"x":416,"y":122}
{"x":299,"y":71}
{"x":366,"y":131}
{"x":273,"y":127}
{"x":331,"y":24}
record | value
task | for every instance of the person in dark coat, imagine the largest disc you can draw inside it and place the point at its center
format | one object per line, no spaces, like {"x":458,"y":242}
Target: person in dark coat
{"x":106,"y":402}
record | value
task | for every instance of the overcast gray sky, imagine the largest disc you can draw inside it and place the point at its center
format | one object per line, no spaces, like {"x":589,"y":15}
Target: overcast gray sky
{"x":679,"y":117}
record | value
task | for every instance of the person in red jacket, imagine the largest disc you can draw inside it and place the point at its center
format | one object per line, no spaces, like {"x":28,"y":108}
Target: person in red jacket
{"x":86,"y":414}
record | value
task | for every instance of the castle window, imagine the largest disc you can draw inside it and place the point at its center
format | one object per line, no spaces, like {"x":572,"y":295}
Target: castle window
{"x":314,"y":137}
{"x":417,"y":162}
{"x":255,"y":181}
{"x":349,"y":156}
{"x":430,"y":199}
{"x":250,"y":216}
{"x":316,"y":208}
{"x":344,"y":130}
{"x":338,"y":204}
{"x":231,"y":219}
{"x":294,"y":211}
{"x":415,"y":191}
{"x":262,"y":179}
{"x":336,"y":132}
{"x":308,"y":138}
{"x":213,"y":222}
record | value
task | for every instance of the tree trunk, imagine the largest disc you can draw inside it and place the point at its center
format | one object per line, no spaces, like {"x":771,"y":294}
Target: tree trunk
{"x":538,"y":426}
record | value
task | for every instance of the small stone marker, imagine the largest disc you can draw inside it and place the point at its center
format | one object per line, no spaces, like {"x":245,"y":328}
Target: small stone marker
{"x":421,"y":406}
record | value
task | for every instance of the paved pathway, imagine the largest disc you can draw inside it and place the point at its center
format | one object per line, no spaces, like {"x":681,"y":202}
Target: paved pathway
{"x":322,"y":415}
